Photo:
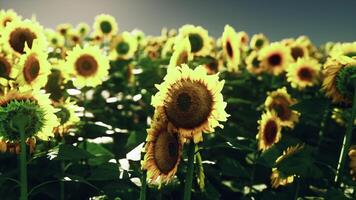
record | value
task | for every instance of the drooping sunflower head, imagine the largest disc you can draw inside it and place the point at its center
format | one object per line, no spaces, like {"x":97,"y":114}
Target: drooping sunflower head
{"x":181,"y":52}
{"x":243,"y":39}
{"x":163,"y":153}
{"x":230,"y":44}
{"x":123,"y":46}
{"x":63,"y":29}
{"x":278,"y":179}
{"x":192,"y":101}
{"x":8,"y":16}
{"x":18,"y":34}
{"x":275,"y":58}
{"x":258,"y":41}
{"x":304,"y":73}
{"x":34,"y":109}
{"x":352,"y":164}
{"x":198,"y":38}
{"x":279,"y":101}
{"x":33,"y":68}
{"x":88,"y":65}
{"x":106,"y":25}
{"x":253,"y":64}
{"x":67,"y":116}
{"x":337,"y":78}
{"x":269,"y":130}
{"x":344,"y":49}
{"x":14,"y":146}
{"x":83,"y":29}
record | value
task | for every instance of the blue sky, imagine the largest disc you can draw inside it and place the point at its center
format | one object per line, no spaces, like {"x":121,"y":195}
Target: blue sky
{"x":321,"y":20}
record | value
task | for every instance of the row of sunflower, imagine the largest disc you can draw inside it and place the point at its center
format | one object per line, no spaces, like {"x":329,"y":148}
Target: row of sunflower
{"x":89,"y":96}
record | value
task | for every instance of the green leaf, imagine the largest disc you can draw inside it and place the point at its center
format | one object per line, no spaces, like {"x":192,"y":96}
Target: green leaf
{"x":107,"y":171}
{"x":69,"y":152}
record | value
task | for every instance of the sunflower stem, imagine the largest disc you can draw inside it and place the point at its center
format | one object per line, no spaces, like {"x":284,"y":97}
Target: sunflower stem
{"x":347,"y":137}
{"x":143,"y":186}
{"x":296,"y":194}
{"x":62,"y":175}
{"x":189,"y":175}
{"x":23,"y":162}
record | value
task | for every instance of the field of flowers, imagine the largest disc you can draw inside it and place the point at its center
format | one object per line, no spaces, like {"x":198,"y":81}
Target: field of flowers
{"x":96,"y":112}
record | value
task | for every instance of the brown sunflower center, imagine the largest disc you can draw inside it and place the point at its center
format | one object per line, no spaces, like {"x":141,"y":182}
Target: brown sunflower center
{"x":166,"y":151}
{"x":86,"y":65}
{"x":31,"y":69}
{"x":297,"y":52}
{"x":63,"y":31}
{"x":182,"y":58}
{"x":270,"y":132}
{"x":229,"y":50}
{"x":281,"y":106}
{"x":7,"y":20}
{"x":189,"y":105}
{"x":275,"y":59}
{"x":19,"y":37}
{"x":5,"y":67}
{"x":305,"y":74}
{"x":213,"y":65}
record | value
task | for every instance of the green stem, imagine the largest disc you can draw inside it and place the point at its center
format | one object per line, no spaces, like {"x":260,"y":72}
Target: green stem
{"x":62,"y":175}
{"x":296,"y":194}
{"x":143,"y":186}
{"x":347,"y":138}
{"x":23,"y":163}
{"x":189,"y":176}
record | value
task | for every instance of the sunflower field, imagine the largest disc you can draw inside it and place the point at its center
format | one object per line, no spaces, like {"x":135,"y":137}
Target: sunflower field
{"x":96,"y":112}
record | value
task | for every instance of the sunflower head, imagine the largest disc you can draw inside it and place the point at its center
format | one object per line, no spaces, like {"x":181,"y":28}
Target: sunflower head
{"x":280,"y":101}
{"x":275,"y":58}
{"x":269,"y":130}
{"x":83,"y":29}
{"x":54,"y":38}
{"x":304,"y":73}
{"x":105,"y":25}
{"x":253,"y":64}
{"x":192,"y":101}
{"x":198,"y":38}
{"x":7,"y":71}
{"x":243,"y":39}
{"x":8,"y":16}
{"x":298,"y":50}
{"x":124,"y":46}
{"x":67,"y":116}
{"x":344,"y":49}
{"x":213,"y":65}
{"x":63,"y":29}
{"x":339,"y":73}
{"x":230,"y":45}
{"x":30,"y":111}
{"x":181,"y":52}
{"x":258,"y":41}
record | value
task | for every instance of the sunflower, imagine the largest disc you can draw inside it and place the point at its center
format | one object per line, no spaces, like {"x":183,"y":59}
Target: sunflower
{"x":16,"y":35}
{"x":344,"y":49}
{"x":163,"y":152}
{"x":38,"y":111}
{"x":96,"y":38}
{"x":7,"y":71}
{"x":275,"y":58}
{"x":192,"y":101}
{"x":276,"y":178}
{"x":337,"y":71}
{"x":269,"y":130}
{"x":280,"y":101}
{"x":66,"y":115}
{"x":352,"y":156}
{"x":258,"y":41}
{"x":213,"y":65}
{"x":123,"y":46}
{"x":167,"y":49}
{"x":243,"y":39}
{"x":299,"y":49}
{"x":140,"y":36}
{"x":8,"y":16}
{"x":181,"y":53}
{"x":304,"y":73}
{"x":55,"y":39}
{"x":253,"y":65}
{"x":64,"y":28}
{"x":105,"y":25}
{"x":198,"y":38}
{"x":88,"y":65}
{"x":230,"y":44}
{"x":83,"y":29}
{"x":33,"y":68}
{"x":74,"y":37}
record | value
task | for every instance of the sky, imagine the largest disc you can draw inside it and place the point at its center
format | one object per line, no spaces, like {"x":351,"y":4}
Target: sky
{"x":321,"y":20}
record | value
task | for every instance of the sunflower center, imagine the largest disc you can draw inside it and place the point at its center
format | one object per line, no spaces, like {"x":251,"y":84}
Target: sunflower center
{"x":213,"y":64}
{"x":14,"y":108}
{"x":297,"y":52}
{"x":270,"y":132}
{"x":280,"y":105}
{"x":122,"y":48}
{"x":275,"y":59}
{"x":31,"y":69}
{"x":5,"y":67}
{"x":189,"y":105}
{"x":229,"y":50}
{"x":259,"y":43}
{"x":63,"y":115}
{"x":105,"y":27}
{"x":255,"y":62}
{"x":166,"y":151}
{"x":196,"y":42}
{"x":86,"y":65}
{"x":19,"y":37}
{"x":75,"y":39}
{"x":182,"y":58}
{"x":63,"y":31}
{"x":54,"y":41}
{"x":305,"y":74}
